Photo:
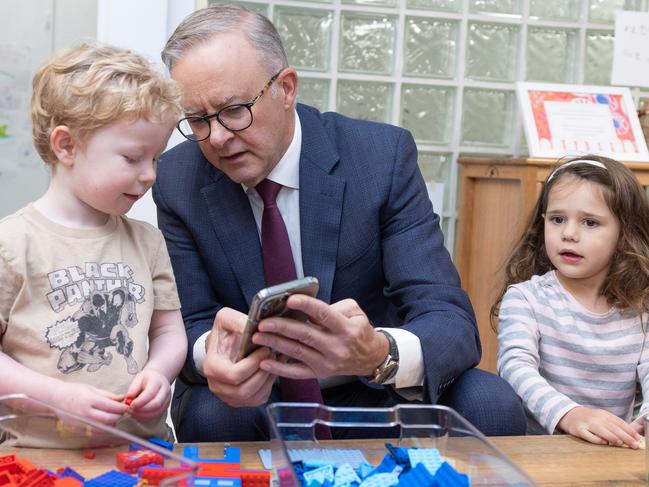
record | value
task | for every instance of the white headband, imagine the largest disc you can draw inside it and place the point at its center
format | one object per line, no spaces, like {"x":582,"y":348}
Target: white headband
{"x":572,"y":163}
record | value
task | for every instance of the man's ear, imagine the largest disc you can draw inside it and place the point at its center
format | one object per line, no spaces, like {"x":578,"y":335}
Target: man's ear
{"x":288,"y":87}
{"x":63,"y":145}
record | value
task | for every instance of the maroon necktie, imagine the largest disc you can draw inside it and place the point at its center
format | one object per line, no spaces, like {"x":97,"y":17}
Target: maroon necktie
{"x":279,"y":267}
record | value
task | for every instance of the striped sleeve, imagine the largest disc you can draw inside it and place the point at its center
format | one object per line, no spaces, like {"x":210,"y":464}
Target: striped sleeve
{"x":519,"y":361}
{"x":643,"y":372}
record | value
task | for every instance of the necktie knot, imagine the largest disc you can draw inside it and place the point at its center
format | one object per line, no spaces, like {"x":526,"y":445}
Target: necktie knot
{"x":268,"y":190}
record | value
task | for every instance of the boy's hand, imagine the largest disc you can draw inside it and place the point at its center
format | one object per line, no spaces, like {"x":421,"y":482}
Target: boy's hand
{"x":90,"y":402}
{"x":599,"y":426}
{"x":151,"y":394}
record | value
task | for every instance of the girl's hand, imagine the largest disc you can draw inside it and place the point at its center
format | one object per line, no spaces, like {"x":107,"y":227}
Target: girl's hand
{"x":151,"y":394}
{"x":90,"y":402}
{"x":599,"y":426}
{"x":638,"y":424}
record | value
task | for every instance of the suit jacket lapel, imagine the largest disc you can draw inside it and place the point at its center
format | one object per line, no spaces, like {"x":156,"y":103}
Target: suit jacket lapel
{"x":321,"y":200}
{"x":234,"y":226}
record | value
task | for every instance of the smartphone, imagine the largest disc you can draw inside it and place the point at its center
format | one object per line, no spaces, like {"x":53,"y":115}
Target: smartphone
{"x":271,"y":301}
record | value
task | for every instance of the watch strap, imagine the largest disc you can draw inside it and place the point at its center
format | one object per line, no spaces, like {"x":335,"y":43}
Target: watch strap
{"x":390,"y":365}
{"x":394,"y":349}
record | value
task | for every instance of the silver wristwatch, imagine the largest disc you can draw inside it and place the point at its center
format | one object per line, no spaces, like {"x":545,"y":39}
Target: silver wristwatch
{"x":389,"y":366}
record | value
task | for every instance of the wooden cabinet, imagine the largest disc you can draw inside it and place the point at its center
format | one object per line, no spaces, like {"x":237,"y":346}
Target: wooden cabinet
{"x":496,"y":197}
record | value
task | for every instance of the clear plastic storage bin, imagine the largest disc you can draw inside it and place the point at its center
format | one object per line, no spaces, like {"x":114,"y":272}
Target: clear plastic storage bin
{"x":60,"y":431}
{"x":408,"y":426}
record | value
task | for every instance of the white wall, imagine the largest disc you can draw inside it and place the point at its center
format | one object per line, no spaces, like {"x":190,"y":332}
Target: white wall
{"x":30,"y":30}
{"x":74,"y":22}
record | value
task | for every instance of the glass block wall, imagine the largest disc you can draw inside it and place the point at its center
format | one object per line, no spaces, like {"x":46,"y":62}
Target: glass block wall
{"x":444,"y":69}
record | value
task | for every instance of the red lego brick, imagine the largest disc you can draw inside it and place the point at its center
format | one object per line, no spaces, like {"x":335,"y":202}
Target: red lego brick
{"x":7,"y":459}
{"x":249,"y":478}
{"x":254,"y":478}
{"x":17,"y":466}
{"x":154,"y":475}
{"x":19,"y":472}
{"x":25,"y":465}
{"x":9,"y":465}
{"x":286,"y":478}
{"x":38,"y":478}
{"x":216,"y":469}
{"x":131,"y":461}
{"x":6,"y":480}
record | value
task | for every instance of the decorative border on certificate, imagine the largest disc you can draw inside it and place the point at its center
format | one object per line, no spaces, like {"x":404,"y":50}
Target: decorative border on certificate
{"x":564,"y":120}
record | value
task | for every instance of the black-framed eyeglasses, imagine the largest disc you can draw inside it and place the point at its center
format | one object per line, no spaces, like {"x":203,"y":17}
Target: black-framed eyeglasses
{"x":235,"y":118}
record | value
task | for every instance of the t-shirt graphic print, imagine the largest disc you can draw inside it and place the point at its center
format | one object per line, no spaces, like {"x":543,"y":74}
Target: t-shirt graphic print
{"x":96,"y":332}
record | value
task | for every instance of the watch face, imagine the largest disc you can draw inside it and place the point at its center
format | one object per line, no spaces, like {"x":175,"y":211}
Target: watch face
{"x":390,"y":365}
{"x":387,"y":371}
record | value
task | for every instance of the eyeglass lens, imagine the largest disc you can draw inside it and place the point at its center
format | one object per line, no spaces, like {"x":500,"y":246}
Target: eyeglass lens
{"x":236,"y":117}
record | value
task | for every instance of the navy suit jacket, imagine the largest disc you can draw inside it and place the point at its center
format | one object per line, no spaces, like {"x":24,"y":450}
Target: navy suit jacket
{"x":368,"y":232}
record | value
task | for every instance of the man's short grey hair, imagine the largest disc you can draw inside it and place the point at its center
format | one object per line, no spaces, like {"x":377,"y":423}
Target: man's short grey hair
{"x":202,"y":25}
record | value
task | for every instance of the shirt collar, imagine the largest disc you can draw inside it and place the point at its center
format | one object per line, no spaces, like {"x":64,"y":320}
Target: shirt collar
{"x":287,"y":170}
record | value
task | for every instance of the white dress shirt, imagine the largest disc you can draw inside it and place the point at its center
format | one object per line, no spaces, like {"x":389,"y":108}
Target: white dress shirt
{"x":287,"y":173}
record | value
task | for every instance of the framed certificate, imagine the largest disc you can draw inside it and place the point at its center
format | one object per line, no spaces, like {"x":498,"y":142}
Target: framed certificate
{"x":565,"y":120}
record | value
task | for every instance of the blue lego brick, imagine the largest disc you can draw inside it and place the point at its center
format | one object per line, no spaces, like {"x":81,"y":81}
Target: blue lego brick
{"x":317,"y":457}
{"x":134,"y":447}
{"x":313,"y":464}
{"x":299,"y":469}
{"x":113,"y":478}
{"x":429,"y":457}
{"x":266,"y":457}
{"x":334,"y":456}
{"x":365,"y":469}
{"x":418,"y":476}
{"x":191,"y":452}
{"x":345,"y":475}
{"x":231,"y":455}
{"x":387,"y":465}
{"x":316,"y":483}
{"x":319,"y":475}
{"x":70,"y":472}
{"x":162,"y":443}
{"x":216,"y":482}
{"x":447,"y":476}
{"x":400,"y":455}
{"x":384,"y":479}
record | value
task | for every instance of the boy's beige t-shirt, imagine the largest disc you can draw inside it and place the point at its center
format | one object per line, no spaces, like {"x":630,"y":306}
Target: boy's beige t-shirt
{"x":76,"y":304}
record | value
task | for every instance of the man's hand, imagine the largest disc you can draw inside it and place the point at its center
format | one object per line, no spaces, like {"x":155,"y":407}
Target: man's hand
{"x":241,"y":384}
{"x":599,"y":426}
{"x":339,"y":340}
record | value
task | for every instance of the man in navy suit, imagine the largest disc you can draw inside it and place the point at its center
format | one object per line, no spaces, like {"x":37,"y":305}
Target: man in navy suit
{"x":395,"y":326}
